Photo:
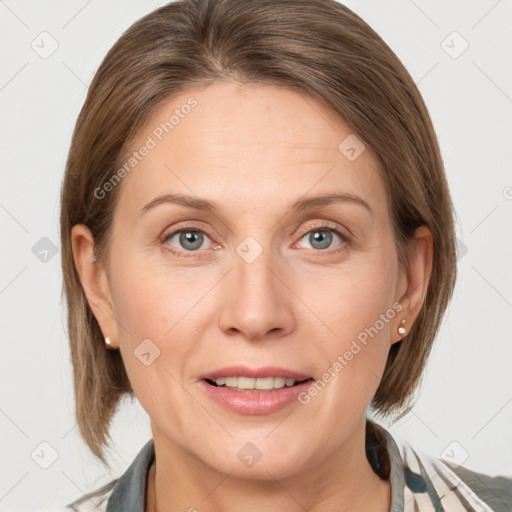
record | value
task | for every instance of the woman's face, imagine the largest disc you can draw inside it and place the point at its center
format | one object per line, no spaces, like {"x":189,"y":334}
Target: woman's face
{"x":253,"y":280}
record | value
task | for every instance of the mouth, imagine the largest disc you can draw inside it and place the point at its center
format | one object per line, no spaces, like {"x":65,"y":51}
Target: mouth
{"x":254,"y":391}
{"x":260,"y":384}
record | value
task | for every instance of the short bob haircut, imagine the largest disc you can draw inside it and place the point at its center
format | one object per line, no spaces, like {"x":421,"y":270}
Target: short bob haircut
{"x":318,"y":48}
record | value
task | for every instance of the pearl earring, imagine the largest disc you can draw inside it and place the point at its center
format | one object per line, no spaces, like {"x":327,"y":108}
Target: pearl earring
{"x":401,"y":328}
{"x":108,"y":343}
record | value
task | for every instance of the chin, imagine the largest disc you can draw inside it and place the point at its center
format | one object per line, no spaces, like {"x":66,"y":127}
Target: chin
{"x":258,"y":460}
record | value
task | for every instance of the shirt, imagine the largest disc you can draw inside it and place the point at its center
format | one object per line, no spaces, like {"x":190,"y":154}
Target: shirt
{"x":418,"y":481}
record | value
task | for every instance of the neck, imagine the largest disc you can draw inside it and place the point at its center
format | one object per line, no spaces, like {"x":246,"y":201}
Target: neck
{"x":343,"y":481}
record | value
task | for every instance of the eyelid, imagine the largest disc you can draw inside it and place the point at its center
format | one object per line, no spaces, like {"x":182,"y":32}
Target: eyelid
{"x":324,"y":224}
{"x":184,"y":226}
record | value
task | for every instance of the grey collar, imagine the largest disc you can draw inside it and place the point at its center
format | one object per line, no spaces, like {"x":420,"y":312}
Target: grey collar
{"x":396,"y":476}
{"x":129,"y":492}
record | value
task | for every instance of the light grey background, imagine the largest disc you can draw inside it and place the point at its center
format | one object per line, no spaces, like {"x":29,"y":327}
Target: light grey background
{"x":465,"y":407}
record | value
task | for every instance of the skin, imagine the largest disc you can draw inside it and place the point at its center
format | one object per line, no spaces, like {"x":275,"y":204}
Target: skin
{"x":254,"y":150}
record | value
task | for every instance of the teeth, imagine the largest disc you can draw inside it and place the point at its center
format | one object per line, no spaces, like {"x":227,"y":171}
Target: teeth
{"x":246,"y":383}
{"x":231,"y":382}
{"x":263,"y":383}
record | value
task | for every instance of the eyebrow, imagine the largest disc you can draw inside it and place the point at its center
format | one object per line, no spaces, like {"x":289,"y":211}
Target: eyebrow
{"x":299,"y":206}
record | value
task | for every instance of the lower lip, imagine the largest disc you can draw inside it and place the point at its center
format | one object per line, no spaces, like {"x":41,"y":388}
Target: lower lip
{"x":255,"y":402}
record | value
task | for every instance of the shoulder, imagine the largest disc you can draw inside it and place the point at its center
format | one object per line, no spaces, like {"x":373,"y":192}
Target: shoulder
{"x":95,"y":501}
{"x":455,"y":487}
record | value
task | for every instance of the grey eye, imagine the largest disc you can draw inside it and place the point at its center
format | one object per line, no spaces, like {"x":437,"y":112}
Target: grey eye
{"x":190,"y":240}
{"x":321,"y":238}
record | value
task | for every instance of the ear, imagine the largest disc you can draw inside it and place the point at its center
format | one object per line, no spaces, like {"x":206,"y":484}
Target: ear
{"x":415,"y":282}
{"x":93,"y":278}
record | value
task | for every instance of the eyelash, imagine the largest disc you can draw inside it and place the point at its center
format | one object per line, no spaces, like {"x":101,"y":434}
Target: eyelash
{"x":322,"y":227}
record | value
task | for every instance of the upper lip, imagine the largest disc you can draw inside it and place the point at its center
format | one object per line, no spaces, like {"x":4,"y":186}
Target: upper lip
{"x":245,"y":371}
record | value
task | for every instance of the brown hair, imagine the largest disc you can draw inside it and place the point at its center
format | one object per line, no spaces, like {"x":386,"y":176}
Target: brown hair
{"x":318,"y":48}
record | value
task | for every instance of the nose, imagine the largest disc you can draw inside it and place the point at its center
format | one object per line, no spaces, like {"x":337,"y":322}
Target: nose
{"x":257,"y":303}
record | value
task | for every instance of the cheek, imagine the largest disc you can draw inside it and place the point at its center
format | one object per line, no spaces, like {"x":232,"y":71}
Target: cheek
{"x":155,"y":337}
{"x":356,"y":310}
{"x":350,"y":299}
{"x":152,"y":300}
{"x":159,"y":317}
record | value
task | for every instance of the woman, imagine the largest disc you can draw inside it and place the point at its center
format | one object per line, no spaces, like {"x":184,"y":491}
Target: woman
{"x":258,"y":244}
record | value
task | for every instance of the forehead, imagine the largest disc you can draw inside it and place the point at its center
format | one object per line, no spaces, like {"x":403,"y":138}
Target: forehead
{"x":247,"y":143}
